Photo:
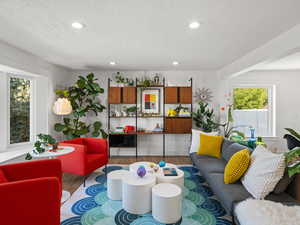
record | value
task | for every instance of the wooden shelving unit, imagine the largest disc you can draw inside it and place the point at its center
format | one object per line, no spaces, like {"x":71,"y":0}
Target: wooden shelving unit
{"x":171,"y":95}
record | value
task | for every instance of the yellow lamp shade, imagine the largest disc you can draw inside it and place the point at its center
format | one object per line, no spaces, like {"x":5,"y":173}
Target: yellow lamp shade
{"x":62,"y":106}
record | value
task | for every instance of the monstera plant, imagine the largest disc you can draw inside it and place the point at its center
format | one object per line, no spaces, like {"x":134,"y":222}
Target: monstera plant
{"x":84,"y":98}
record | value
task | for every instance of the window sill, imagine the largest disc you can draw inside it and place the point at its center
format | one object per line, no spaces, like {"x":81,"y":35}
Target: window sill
{"x":13,"y":152}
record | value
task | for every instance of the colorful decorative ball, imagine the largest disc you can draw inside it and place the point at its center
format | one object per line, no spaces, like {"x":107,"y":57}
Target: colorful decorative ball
{"x":141,"y":171}
{"x":162,"y":163}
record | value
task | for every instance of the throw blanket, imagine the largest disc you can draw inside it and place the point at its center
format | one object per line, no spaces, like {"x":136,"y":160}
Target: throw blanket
{"x":263,"y":212}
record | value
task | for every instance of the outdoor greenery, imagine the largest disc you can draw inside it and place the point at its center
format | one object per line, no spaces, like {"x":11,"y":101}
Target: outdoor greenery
{"x":84,"y":98}
{"x":19,"y":110}
{"x":205,"y":118}
{"x":250,"y":98}
{"x":42,"y":143}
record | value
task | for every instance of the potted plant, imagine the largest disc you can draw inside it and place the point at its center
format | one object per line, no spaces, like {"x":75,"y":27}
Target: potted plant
{"x":44,"y":143}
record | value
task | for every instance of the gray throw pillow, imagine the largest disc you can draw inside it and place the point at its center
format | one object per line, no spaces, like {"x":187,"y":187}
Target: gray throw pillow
{"x":282,"y":185}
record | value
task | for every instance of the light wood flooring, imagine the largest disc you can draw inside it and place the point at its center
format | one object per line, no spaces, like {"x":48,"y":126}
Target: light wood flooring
{"x":72,"y":182}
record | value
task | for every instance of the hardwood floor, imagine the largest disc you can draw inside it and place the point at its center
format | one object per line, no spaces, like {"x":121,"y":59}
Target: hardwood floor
{"x":72,"y":182}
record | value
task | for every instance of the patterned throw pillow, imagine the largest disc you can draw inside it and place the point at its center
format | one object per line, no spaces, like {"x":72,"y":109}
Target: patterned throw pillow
{"x":237,"y":166}
{"x":265,"y":170}
{"x":293,"y":161}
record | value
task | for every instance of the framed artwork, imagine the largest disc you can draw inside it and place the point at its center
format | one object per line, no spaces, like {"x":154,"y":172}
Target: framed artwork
{"x":151,"y":101}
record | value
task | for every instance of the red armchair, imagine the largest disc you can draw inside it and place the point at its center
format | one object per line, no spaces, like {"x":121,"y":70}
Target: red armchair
{"x":30,"y":193}
{"x":89,"y":155}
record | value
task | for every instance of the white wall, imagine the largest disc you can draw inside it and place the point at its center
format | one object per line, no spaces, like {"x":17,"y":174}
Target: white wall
{"x":152,"y":144}
{"x":287,"y":100}
{"x":47,"y":77}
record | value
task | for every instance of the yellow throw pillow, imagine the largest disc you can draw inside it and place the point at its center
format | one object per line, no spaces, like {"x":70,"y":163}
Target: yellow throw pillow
{"x":210,"y":145}
{"x":237,"y":166}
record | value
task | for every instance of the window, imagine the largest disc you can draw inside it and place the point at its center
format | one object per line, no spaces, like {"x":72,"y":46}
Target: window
{"x":19,"y":110}
{"x":253,"y":106}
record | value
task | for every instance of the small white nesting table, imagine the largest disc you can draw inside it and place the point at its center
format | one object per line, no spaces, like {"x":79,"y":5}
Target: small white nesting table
{"x":114,"y":184}
{"x":166,"y":203}
{"x":63,"y":150}
{"x":136,"y":193}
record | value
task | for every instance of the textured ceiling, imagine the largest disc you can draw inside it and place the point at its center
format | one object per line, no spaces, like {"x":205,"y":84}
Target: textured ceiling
{"x":144,"y":34}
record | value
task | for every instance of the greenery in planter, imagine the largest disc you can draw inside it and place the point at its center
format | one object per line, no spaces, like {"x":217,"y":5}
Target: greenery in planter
{"x":83,"y":96}
{"x":120,"y":79}
{"x":205,"y":118}
{"x":43,"y":141}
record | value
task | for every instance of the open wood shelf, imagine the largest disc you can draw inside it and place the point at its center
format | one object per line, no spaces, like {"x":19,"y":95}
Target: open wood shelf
{"x":172,"y":125}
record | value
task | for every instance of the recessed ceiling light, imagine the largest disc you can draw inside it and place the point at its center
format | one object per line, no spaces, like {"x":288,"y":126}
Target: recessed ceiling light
{"x":175,"y":63}
{"x":112,"y":63}
{"x":194,"y":25}
{"x":77,"y":25}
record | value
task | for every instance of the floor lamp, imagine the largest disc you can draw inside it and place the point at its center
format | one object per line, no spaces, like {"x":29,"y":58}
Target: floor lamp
{"x":62,"y":107}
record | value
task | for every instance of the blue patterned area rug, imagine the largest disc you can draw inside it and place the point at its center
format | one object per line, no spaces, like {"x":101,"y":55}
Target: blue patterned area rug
{"x":90,"y":205}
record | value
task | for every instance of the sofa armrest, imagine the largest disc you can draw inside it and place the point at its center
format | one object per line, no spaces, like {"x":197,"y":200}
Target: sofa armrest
{"x":33,"y":169}
{"x":96,"y":145}
{"x":32,"y":201}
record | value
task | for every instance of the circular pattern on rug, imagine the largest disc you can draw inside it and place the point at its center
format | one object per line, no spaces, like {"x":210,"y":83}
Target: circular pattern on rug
{"x":198,"y":178}
{"x":72,"y":221}
{"x":101,"y":198}
{"x":110,"y":208}
{"x":105,"y":221}
{"x":83,"y":205}
{"x":204,"y":190}
{"x":187,"y":174}
{"x":146,"y":221}
{"x":95,"y":189}
{"x":189,"y":221}
{"x":111,"y":168}
{"x":214,"y":207}
{"x":125,"y":218}
{"x":204,"y":217}
{"x":101,"y":179}
{"x":185,"y":191}
{"x":190,"y":169}
{"x":188,"y":208}
{"x":195,"y":198}
{"x":221,"y":221}
{"x":189,"y":184}
{"x":92,"y":216}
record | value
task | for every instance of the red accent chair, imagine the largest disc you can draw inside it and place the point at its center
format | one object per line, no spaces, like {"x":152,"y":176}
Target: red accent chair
{"x":30,"y":193}
{"x":89,"y":155}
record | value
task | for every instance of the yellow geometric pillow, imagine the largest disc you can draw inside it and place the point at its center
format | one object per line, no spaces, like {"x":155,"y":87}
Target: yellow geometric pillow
{"x":210,"y":145}
{"x":237,"y":166}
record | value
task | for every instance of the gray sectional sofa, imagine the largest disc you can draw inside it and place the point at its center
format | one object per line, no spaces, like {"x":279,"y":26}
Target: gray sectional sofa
{"x":230,"y":194}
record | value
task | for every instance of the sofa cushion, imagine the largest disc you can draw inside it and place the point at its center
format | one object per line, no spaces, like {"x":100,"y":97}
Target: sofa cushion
{"x":207,"y":164}
{"x":210,"y":145}
{"x":230,"y":149}
{"x":228,"y":194}
{"x":2,"y":177}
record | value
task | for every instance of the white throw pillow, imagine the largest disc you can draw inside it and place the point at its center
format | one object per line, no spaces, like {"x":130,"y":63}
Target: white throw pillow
{"x":265,"y":170}
{"x":196,"y":139}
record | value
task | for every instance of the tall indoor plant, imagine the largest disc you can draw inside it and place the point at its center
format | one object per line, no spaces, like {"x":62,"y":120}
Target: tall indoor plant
{"x":84,"y":98}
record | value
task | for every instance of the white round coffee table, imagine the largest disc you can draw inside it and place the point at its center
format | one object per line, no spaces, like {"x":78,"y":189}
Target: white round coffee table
{"x":166,"y":203}
{"x":178,"y":180}
{"x":134,"y":166}
{"x":136,"y":193}
{"x":63,"y":150}
{"x":114,"y":184}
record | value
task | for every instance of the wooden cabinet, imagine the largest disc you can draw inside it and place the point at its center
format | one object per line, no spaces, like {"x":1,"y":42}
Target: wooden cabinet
{"x":129,"y":95}
{"x":171,"y":95}
{"x":185,"y":95}
{"x":178,"y":125}
{"x":122,"y":95}
{"x":175,"y":95}
{"x":114,"y":95}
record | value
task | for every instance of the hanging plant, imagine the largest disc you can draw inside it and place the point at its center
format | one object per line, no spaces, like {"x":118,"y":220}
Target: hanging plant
{"x":83,"y":96}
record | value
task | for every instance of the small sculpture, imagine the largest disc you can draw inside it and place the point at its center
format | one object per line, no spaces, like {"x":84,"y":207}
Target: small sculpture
{"x":141,"y":171}
{"x":162,"y":164}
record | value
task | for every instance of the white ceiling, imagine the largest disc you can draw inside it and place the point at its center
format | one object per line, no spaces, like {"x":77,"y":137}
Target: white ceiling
{"x":290,"y":62}
{"x":144,"y":34}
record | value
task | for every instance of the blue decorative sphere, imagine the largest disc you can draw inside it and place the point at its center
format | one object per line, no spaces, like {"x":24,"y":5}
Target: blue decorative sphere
{"x":162,"y":164}
{"x":141,"y":171}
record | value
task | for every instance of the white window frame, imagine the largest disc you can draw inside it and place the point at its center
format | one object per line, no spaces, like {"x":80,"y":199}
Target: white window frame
{"x":271,"y":103}
{"x":32,"y":109}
